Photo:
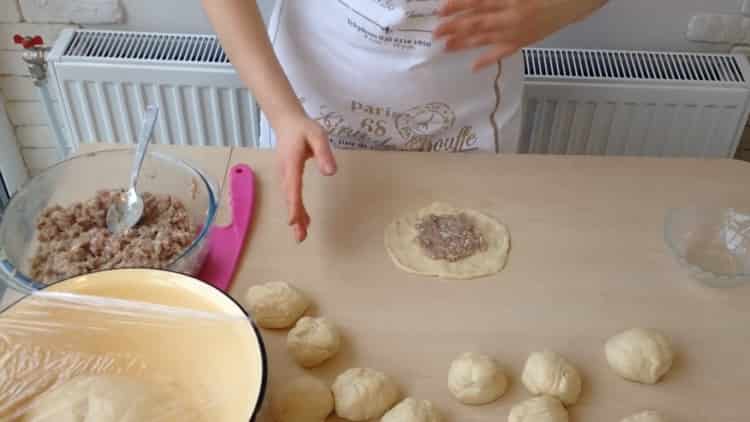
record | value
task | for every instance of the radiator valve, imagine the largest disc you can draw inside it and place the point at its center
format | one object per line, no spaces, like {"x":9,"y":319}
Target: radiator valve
{"x":35,"y":56}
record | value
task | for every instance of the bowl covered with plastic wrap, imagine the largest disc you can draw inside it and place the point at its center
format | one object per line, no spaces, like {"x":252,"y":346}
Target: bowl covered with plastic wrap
{"x":130,"y":346}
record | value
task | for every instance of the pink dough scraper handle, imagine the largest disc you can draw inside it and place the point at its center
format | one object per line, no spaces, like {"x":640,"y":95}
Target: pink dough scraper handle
{"x":225,"y":244}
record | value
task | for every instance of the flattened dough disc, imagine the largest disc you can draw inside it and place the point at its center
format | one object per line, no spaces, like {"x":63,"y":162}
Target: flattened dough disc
{"x":401,"y":244}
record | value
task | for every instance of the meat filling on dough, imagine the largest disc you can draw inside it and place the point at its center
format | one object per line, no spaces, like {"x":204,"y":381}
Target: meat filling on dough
{"x":449,"y":237}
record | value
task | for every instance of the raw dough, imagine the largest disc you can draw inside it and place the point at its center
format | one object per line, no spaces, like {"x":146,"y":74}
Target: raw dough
{"x":551,"y":374}
{"x":412,"y":410}
{"x":476,"y":379}
{"x":276,"y":305}
{"x":539,"y":409}
{"x":313,"y":341}
{"x":640,"y":355}
{"x":107,"y":398}
{"x":362,"y":394}
{"x":647,"y":416}
{"x":408,"y":255}
{"x":306,"y":399}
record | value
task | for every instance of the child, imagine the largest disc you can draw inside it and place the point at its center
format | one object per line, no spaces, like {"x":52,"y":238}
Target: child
{"x":375,"y":74}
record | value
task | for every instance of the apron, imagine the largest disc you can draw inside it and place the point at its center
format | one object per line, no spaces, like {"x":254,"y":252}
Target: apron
{"x":370,"y":73}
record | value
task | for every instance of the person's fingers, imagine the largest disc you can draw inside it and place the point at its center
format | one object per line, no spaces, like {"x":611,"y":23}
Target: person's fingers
{"x":321,"y":148}
{"x":494,"y":55}
{"x":454,"y":25}
{"x":300,"y":232}
{"x":292,"y":181}
{"x":305,"y":218}
{"x":302,"y":224}
{"x":451,"y":7}
{"x":477,"y":23}
{"x":481,"y":40}
{"x":462,"y":24}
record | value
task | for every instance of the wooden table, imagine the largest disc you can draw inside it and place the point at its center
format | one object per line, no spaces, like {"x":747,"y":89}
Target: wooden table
{"x":587,"y":261}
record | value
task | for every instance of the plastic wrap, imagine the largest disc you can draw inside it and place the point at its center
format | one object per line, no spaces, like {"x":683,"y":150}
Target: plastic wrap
{"x":76,"y":358}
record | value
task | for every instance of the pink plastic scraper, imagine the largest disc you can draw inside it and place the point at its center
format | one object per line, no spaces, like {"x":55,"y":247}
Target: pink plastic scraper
{"x":225,"y":243}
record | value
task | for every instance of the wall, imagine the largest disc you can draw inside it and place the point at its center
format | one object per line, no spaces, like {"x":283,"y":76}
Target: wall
{"x":24,"y":110}
{"x":185,"y":15}
{"x":13,"y":172}
{"x":643,"y":24}
{"x":48,"y":18}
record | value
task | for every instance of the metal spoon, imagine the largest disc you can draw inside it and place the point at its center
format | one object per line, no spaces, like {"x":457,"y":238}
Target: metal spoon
{"x":127,"y":208}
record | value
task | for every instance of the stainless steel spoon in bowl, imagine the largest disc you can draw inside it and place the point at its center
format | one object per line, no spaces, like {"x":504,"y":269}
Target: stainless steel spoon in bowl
{"x":127,"y":208}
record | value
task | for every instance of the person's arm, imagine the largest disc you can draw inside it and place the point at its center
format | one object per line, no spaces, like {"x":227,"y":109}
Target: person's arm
{"x":506,"y":26}
{"x":243,"y":35}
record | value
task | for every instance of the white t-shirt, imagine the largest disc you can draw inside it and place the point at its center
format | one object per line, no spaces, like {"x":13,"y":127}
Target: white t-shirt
{"x":370,"y":72}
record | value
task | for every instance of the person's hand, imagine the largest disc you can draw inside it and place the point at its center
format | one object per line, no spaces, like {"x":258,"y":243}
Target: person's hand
{"x":506,"y":26}
{"x":299,"y":139}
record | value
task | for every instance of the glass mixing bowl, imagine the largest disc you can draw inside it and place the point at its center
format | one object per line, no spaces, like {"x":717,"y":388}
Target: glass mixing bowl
{"x":79,"y":179}
{"x":713,"y":244}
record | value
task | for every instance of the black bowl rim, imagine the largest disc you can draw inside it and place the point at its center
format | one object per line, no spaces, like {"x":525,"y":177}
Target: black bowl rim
{"x":261,"y":344}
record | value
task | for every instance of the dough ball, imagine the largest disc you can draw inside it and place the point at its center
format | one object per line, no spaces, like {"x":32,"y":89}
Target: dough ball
{"x":476,"y":379}
{"x":639,"y":355}
{"x":305,"y":399}
{"x":539,"y":409}
{"x":412,"y":410}
{"x":362,"y":394}
{"x":276,"y":305}
{"x":551,"y":374}
{"x":313,"y":341}
{"x":647,"y":416}
{"x":107,"y":398}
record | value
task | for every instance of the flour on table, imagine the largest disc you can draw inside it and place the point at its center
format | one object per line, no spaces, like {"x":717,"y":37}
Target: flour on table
{"x":646,"y":416}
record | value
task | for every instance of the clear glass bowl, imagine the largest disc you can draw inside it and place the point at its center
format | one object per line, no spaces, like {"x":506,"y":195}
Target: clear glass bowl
{"x":79,"y":179}
{"x":712,"y":243}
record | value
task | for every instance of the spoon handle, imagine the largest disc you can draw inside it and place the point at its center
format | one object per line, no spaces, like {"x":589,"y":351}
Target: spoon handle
{"x":144,"y":138}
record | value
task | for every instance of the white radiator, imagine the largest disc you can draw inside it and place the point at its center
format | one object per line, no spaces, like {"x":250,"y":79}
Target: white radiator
{"x":106,"y":78}
{"x":576,"y":101}
{"x":634,"y":103}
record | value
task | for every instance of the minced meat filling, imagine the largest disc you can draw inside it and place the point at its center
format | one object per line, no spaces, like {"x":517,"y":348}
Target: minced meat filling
{"x":75,"y":240}
{"x":449,"y":237}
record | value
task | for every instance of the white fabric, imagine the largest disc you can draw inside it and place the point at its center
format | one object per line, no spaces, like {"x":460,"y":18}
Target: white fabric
{"x":371,"y":74}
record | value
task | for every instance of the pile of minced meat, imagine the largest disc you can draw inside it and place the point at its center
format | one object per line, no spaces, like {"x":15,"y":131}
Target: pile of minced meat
{"x":74,"y":240}
{"x":449,"y":237}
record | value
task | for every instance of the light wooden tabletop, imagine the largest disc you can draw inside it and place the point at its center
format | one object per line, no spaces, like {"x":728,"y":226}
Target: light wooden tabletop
{"x":587,"y":261}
